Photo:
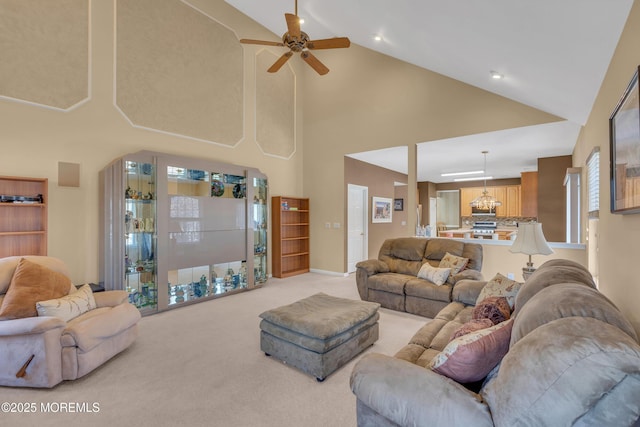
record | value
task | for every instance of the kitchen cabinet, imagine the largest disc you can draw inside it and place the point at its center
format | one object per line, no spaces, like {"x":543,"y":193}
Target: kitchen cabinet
{"x":512,"y":203}
{"x":467,"y":195}
{"x":500,"y":194}
{"x":529,"y":189}
{"x":509,"y":195}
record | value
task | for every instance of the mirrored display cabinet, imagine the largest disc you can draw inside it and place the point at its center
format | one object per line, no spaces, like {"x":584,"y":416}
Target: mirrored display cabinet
{"x":179,"y":230}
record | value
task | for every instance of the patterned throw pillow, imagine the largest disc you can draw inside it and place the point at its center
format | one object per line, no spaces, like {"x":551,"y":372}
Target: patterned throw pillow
{"x":455,"y":263}
{"x":500,"y":286}
{"x":495,"y":309}
{"x":70,"y":306}
{"x":434,"y":274}
{"x":471,"y":326}
{"x":472,"y":356}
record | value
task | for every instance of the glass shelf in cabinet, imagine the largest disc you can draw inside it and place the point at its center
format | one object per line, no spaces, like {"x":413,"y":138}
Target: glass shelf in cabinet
{"x":145,"y":297}
{"x":142,"y":201}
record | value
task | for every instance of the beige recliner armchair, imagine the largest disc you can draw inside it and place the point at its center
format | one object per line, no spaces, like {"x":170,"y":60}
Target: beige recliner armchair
{"x":42,"y":351}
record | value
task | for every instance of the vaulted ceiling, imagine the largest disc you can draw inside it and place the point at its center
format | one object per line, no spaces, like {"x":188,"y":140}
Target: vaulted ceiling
{"x":553,"y":55}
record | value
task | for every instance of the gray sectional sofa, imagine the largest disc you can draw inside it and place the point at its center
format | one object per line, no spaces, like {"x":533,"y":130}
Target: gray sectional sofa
{"x":391,"y":280}
{"x":572,"y":359}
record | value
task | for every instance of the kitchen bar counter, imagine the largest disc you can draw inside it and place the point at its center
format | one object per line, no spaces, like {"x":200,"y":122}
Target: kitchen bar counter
{"x":504,"y":233}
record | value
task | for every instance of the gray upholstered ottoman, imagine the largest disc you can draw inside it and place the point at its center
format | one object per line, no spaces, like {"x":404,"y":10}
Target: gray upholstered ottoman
{"x":319,"y":334}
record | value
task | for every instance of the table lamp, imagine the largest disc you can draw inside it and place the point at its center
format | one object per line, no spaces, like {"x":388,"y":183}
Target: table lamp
{"x":530,"y":240}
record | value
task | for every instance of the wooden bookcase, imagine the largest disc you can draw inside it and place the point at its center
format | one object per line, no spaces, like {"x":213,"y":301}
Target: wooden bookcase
{"x":290,"y":228}
{"x":23,"y":216}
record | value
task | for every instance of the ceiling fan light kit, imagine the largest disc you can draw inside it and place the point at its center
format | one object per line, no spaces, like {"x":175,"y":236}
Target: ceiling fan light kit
{"x":299,"y":42}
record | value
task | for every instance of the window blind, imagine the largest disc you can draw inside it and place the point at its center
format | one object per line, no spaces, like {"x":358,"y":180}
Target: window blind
{"x":593,"y":181}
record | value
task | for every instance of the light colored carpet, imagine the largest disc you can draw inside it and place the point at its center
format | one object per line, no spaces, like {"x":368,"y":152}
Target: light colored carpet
{"x":201,"y":365}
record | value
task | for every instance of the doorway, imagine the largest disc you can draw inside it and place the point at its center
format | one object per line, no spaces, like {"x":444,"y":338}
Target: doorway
{"x":357,"y":230}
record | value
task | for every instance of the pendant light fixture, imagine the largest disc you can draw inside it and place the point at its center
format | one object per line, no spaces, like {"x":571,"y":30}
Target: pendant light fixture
{"x":485,"y":202}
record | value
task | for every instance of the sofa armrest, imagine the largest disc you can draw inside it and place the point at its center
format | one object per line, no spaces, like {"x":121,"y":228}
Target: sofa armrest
{"x":110,"y":298}
{"x":410,"y":395}
{"x":30,"y":325}
{"x":467,"y":291}
{"x":91,"y":329}
{"x":468,"y":275}
{"x":365,"y":269}
{"x":373,"y":266}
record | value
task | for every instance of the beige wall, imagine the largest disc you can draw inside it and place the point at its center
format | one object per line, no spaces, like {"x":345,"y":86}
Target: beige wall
{"x":496,"y":258}
{"x":371,"y":101}
{"x":380,"y":182}
{"x":619,"y":235}
{"x":552,"y":202}
{"x":34,"y":139}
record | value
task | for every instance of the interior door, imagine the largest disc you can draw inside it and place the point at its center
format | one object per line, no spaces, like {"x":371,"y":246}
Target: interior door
{"x":433,"y":217}
{"x":357,"y":241}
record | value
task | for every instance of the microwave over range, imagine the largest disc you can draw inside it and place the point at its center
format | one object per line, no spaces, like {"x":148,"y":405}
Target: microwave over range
{"x":475,"y":211}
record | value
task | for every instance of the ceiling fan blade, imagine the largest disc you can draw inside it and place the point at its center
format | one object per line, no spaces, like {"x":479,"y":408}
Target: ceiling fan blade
{"x":334,"y":43}
{"x":293,"y":25}
{"x":264,"y":42}
{"x":280,"y":62}
{"x":314,"y":62}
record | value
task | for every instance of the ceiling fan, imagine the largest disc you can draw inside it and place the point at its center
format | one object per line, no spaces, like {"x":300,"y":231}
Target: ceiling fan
{"x":298,"y":42}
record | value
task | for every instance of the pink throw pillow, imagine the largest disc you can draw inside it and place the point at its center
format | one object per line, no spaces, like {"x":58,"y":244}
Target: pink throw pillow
{"x":471,"y":357}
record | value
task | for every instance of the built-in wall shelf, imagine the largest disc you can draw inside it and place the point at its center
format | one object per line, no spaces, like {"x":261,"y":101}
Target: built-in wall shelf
{"x":23,"y":216}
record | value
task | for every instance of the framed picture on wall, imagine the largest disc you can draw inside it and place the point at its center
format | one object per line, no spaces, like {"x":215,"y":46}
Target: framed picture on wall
{"x":381,"y":209}
{"x":398,"y":204}
{"x":624,"y":136}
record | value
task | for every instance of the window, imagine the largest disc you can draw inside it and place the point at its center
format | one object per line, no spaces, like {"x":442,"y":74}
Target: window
{"x":593,"y":183}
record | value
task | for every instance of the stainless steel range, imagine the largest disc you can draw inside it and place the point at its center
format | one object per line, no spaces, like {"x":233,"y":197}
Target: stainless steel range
{"x":484,"y":229}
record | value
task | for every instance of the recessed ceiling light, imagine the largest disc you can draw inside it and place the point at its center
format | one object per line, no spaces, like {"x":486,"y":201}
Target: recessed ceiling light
{"x":377,"y":37}
{"x":461,"y":173}
{"x":301,"y":20}
{"x":496,"y":75}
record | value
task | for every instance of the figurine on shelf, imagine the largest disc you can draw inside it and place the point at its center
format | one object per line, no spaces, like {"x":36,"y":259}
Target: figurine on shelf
{"x":243,"y":273}
{"x":128,"y":224}
{"x":128,"y":193}
{"x":228,"y":278}
{"x":197,"y":291}
{"x":153,"y":295}
{"x":203,"y":285}
{"x":214,"y":276}
{"x":134,"y":296}
{"x":179,"y":294}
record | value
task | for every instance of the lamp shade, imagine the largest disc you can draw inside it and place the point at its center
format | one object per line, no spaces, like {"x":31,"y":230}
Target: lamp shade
{"x":530,"y":240}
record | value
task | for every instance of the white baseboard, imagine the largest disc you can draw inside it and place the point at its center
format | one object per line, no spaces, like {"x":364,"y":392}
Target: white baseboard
{"x":329,"y":273}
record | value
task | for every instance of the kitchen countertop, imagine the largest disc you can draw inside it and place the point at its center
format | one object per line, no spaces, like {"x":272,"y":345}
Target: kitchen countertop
{"x":470,"y":230}
{"x":500,"y":233}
